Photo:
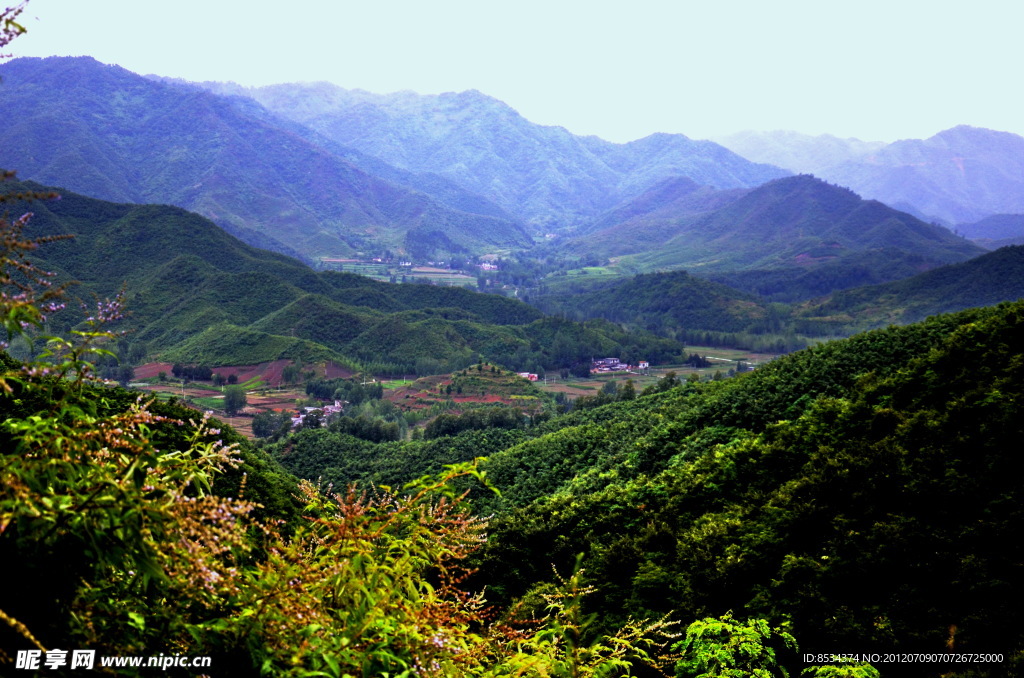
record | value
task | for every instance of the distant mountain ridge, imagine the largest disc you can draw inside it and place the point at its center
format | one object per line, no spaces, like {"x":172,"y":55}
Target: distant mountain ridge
{"x":959,"y":175}
{"x":109,"y":133}
{"x":798,"y":152}
{"x":543,"y":175}
{"x":998,"y":230}
{"x":793,"y":225}
{"x":315,"y":169}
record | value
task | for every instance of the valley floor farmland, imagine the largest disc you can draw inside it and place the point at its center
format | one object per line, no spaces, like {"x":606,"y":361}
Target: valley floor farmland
{"x":386,"y":272}
{"x":267,"y":392}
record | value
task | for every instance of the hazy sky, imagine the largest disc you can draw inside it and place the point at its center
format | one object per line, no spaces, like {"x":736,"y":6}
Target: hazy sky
{"x":621,"y":70}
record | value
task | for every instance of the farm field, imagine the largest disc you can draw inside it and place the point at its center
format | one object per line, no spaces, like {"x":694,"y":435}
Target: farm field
{"x":264,"y":384}
{"x":386,"y":272}
{"x":204,"y":397}
{"x":465,"y":388}
{"x":266,"y":390}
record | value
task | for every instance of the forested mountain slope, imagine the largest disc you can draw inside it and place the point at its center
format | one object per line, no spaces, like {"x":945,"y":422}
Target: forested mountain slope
{"x":544,"y":175}
{"x":865,"y":489}
{"x":673,"y":301}
{"x":860,"y":493}
{"x":106,"y":132}
{"x":799,"y":222}
{"x":983,"y":281}
{"x":787,"y":240}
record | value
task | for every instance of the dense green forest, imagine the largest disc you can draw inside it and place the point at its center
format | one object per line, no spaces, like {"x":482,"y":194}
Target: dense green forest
{"x":982,"y":281}
{"x":796,"y":224}
{"x":863,"y":489}
{"x":190,"y":301}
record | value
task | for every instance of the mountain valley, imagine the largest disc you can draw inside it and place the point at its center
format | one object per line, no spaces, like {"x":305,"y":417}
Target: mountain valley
{"x":300,"y":380}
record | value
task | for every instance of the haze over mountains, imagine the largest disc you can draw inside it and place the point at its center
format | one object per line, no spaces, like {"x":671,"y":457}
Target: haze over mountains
{"x":960,"y":175}
{"x":996,"y":231}
{"x":111,"y":134}
{"x":544,"y":175}
{"x":315,"y":170}
{"x":788,"y":240}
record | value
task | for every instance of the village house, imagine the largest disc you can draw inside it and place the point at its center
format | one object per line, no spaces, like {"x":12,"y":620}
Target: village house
{"x":325,"y":412}
{"x":608,"y":365}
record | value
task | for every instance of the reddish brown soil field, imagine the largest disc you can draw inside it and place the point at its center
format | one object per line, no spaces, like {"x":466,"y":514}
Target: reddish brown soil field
{"x":242,"y":424}
{"x":270,"y":372}
{"x":482,"y":399}
{"x":420,"y":399}
{"x":151,"y":370}
{"x":335,"y":371}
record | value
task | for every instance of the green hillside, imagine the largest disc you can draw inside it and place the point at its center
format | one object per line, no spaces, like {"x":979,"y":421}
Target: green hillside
{"x":197,"y":294}
{"x":318,"y":318}
{"x":863,"y":493}
{"x":650,"y":219}
{"x":666,"y":301}
{"x":442,"y":483}
{"x":864,"y":489}
{"x":688,"y":307}
{"x":788,"y":239}
{"x":855,"y":269}
{"x":801,"y":219}
{"x":982,"y":281}
{"x":226,"y":344}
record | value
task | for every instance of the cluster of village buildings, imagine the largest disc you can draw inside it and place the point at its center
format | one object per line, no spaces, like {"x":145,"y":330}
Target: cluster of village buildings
{"x":602,"y":365}
{"x":324,"y":412}
{"x":616,"y":365}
